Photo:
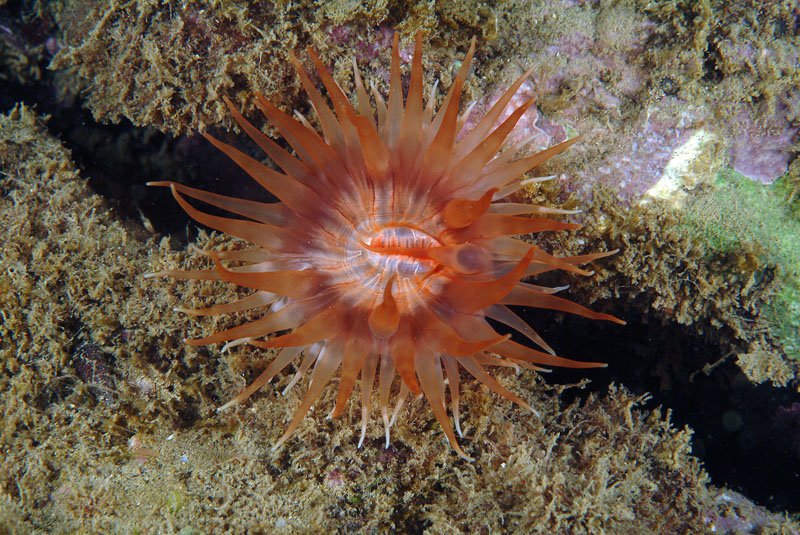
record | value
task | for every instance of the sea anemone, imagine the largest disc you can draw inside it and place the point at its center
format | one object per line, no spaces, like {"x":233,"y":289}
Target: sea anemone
{"x":389,"y":248}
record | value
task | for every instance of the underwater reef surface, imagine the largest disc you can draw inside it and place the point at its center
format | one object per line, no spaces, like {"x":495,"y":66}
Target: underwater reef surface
{"x":689,"y":112}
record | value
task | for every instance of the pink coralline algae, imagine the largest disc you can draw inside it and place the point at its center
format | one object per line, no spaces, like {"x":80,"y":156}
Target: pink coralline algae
{"x":366,"y":47}
{"x":644,"y":149}
{"x":532,"y":127}
{"x":731,"y":512}
{"x":334,"y":478}
{"x":761,"y":145}
{"x":595,"y":75}
{"x":630,"y":154}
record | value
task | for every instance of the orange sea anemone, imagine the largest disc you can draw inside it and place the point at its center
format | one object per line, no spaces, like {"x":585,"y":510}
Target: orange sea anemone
{"x":389,"y":248}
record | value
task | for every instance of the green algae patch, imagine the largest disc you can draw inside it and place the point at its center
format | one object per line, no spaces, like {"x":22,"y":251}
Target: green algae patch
{"x":742,"y":219}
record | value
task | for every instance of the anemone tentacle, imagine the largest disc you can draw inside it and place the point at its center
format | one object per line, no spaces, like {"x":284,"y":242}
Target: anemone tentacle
{"x":389,"y":247}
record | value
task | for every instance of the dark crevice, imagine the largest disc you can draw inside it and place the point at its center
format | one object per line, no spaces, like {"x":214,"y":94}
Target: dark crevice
{"x":748,"y":436}
{"x":711,"y":72}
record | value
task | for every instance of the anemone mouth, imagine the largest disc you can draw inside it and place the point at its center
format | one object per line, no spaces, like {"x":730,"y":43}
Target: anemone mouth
{"x":389,"y":248}
{"x":379,"y":248}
